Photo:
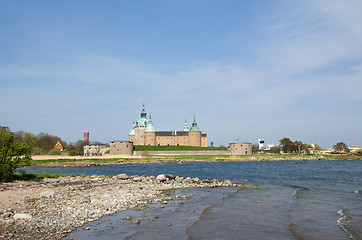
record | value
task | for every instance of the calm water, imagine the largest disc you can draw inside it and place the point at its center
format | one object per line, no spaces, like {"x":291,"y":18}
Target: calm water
{"x":288,"y":200}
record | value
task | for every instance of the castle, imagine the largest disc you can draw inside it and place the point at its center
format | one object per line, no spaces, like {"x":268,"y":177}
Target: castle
{"x":143,"y":133}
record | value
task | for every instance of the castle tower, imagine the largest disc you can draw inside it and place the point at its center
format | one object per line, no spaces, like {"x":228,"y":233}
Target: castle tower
{"x":140,"y":128}
{"x":194,"y":134}
{"x":150,"y":134}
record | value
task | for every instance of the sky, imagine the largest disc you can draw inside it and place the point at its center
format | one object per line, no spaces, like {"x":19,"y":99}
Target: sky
{"x":244,"y":69}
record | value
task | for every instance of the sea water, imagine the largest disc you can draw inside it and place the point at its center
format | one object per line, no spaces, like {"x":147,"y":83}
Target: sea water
{"x":286,"y":200}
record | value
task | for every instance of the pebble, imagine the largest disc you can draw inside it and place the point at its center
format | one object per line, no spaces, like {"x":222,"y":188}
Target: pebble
{"x":79,"y":201}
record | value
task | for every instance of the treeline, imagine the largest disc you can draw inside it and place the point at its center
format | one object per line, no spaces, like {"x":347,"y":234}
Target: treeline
{"x":44,"y":144}
{"x":288,"y":146}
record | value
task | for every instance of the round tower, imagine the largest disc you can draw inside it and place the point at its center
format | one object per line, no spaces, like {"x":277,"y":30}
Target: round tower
{"x":194,"y":134}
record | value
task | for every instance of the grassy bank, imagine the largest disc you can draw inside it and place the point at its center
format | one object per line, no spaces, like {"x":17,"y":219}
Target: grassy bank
{"x":170,"y":158}
{"x":29,"y":176}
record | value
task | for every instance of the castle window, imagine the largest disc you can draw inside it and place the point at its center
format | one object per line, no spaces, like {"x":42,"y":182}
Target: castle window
{"x":246,"y":152}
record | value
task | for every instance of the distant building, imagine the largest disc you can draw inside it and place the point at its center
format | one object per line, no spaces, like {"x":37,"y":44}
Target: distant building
{"x":86,"y":138}
{"x":265,"y":147}
{"x":240,"y":149}
{"x":121,"y":148}
{"x":95,"y":150}
{"x":143,"y":133}
{"x":59,"y":146}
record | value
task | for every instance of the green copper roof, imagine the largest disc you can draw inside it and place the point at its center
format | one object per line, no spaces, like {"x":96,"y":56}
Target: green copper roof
{"x":186,"y":129}
{"x":143,"y":121}
{"x":132,"y":132}
{"x":194,"y":127}
{"x":150,"y":127}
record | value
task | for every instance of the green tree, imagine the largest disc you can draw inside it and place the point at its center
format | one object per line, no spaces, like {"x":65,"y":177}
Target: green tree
{"x":287,"y":146}
{"x":30,"y":139}
{"x":12,"y":153}
{"x":79,"y":147}
{"x":65,"y":145}
{"x":298,"y":146}
{"x":340,"y":147}
{"x":46,"y":141}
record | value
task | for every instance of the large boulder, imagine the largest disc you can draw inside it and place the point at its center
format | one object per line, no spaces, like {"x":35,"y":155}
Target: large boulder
{"x":161,"y":177}
{"x":47,"y":193}
{"x":122,"y":176}
{"x":137,"y":179}
{"x":84,"y":200}
{"x":170,"y":176}
{"x":22,"y":216}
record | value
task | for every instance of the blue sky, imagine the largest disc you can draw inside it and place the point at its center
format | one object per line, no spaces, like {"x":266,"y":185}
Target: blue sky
{"x":245,"y":69}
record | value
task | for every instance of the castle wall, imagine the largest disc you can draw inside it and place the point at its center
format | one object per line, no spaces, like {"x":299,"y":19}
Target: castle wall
{"x":121,"y":148}
{"x":131,"y":138}
{"x":165,"y":140}
{"x":150,"y":138}
{"x":204,"y":141}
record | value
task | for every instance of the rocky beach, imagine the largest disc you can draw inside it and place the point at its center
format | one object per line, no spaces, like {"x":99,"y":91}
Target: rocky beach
{"x":53,"y":208}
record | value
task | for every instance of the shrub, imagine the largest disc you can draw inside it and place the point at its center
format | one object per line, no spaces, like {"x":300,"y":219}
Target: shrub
{"x":54,"y":151}
{"x":72,"y":153}
{"x":12,"y":153}
{"x":38,"y":151}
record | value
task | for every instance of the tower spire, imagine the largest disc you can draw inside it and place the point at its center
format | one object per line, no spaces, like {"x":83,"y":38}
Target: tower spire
{"x":185,"y":126}
{"x":194,"y":127}
{"x":143,"y":113}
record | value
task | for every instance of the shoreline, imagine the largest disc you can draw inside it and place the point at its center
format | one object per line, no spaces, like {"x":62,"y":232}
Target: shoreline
{"x":53,"y":208}
{"x":78,"y":161}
